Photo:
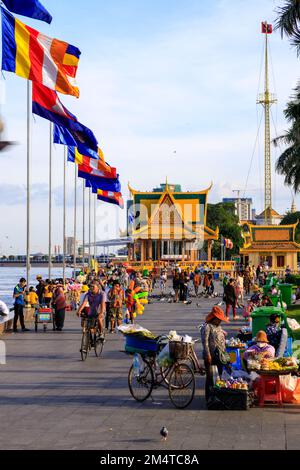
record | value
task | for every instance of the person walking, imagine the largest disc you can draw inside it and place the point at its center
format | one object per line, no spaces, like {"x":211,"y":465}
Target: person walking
{"x":59,"y":302}
{"x":176,"y":285}
{"x":240,"y":289}
{"x":214,"y":346}
{"x":196,"y":282}
{"x":19,"y":292}
{"x":230,"y":298}
{"x":40,"y":290}
{"x":116,"y":298}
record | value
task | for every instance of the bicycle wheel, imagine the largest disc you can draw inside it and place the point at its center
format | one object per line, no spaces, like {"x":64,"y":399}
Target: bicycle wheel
{"x":98,"y":344}
{"x":85,"y":343}
{"x":181,"y":385}
{"x":141,"y":386}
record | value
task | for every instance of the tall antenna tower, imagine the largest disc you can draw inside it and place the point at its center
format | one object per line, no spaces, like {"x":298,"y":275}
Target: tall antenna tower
{"x":266,"y":99}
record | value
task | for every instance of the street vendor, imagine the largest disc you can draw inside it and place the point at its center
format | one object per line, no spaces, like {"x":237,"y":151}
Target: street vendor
{"x":261,"y":348}
{"x":214,"y":345}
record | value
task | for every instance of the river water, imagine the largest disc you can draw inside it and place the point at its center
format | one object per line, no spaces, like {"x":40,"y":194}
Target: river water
{"x":10,"y":276}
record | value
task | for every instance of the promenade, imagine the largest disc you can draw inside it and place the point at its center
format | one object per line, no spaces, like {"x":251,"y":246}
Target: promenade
{"x":50,"y":399}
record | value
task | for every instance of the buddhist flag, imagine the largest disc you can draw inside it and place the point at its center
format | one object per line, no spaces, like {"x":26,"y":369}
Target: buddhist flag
{"x":37,"y":57}
{"x":46,"y":104}
{"x":31,"y":8}
{"x":111,"y":197}
{"x":266,"y":28}
{"x":91,"y":165}
{"x":96,"y":182}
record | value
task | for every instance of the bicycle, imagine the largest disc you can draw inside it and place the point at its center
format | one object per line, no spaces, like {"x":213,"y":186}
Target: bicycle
{"x":178,"y":378}
{"x":90,"y":339}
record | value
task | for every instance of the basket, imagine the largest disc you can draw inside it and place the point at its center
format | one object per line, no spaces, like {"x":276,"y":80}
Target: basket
{"x":228,"y":399}
{"x":179,"y":350}
{"x":139,"y":344}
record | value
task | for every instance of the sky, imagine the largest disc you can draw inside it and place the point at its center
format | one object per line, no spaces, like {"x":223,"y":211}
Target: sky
{"x":169,"y":88}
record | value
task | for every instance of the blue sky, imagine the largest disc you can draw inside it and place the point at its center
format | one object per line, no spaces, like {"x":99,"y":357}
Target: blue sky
{"x":155,"y":77}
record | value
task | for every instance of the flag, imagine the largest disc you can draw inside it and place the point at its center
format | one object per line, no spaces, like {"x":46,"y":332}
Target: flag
{"x":91,"y":165}
{"x":84,"y":140}
{"x":266,"y":28}
{"x":106,"y":184}
{"x":228,"y":243}
{"x":34,"y":56}
{"x":46,"y":104}
{"x":31,"y":8}
{"x":110,"y":197}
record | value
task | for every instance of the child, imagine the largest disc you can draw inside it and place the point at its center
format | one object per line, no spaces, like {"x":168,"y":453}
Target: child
{"x":130,"y":304}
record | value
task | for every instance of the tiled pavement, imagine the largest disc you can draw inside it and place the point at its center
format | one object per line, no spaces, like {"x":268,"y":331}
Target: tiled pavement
{"x":49,"y":399}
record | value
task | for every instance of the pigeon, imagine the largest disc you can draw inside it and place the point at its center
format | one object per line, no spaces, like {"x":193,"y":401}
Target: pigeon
{"x":164,"y":433}
{"x":219,"y":304}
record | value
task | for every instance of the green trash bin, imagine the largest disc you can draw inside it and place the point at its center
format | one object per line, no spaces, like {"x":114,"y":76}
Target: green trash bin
{"x":275,"y":299}
{"x":261,"y":317}
{"x":286,"y":293}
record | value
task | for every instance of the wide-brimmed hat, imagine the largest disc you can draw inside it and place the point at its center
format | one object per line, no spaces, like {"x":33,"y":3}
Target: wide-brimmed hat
{"x":84,"y":289}
{"x":261,"y":337}
{"x":217,"y":312}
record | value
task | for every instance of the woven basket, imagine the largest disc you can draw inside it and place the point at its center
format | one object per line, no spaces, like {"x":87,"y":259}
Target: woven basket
{"x":179,"y":350}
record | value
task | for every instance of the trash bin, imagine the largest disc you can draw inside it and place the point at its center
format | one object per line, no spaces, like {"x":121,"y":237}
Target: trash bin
{"x":275,"y":299}
{"x":286,"y":293}
{"x":261,"y":317}
{"x":216,"y":276}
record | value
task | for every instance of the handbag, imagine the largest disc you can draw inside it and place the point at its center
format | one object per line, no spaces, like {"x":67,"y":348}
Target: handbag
{"x":221,"y":356}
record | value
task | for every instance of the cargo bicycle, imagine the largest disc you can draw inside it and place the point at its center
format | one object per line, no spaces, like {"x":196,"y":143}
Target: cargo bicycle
{"x":178,"y":378}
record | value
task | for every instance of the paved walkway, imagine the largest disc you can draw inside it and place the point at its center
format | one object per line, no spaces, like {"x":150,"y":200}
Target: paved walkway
{"x":49,"y":399}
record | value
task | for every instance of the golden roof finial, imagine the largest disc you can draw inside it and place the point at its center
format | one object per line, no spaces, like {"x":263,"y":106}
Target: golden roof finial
{"x":167,"y":186}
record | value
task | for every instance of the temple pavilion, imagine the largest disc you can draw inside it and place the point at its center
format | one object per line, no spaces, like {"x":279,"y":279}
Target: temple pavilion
{"x":274,"y":245}
{"x":168,"y":224}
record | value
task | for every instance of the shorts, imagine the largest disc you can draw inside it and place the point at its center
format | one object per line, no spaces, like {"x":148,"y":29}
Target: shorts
{"x":89,"y":322}
{"x":116,"y":313}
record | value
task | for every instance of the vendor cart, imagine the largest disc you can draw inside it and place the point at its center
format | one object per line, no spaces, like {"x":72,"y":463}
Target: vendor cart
{"x":44,"y":316}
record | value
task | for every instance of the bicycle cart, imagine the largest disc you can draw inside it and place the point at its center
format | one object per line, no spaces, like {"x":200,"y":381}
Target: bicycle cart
{"x":43,"y":316}
{"x":146,"y":374}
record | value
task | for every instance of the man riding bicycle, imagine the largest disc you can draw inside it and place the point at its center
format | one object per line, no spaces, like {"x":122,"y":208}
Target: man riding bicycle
{"x":96,"y":299}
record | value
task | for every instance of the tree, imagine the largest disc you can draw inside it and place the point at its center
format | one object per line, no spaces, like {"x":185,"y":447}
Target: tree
{"x":222,"y":215}
{"x":288,"y":164}
{"x":292,"y":218}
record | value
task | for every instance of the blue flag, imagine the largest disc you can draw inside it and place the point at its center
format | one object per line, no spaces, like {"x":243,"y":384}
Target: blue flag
{"x":76,"y":135}
{"x":31,"y":8}
{"x":95,"y":182}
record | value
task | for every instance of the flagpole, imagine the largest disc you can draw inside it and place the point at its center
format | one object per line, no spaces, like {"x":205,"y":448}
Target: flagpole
{"x":29,"y":146}
{"x":64,"y":216}
{"x":75,"y":219}
{"x":90,"y":230}
{"x":95,"y":199}
{"x":50,"y":203}
{"x":83,"y":224}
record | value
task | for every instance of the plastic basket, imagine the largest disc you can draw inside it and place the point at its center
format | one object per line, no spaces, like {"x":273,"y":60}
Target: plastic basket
{"x":139,"y":344}
{"x":227,"y":399}
{"x":179,"y":350}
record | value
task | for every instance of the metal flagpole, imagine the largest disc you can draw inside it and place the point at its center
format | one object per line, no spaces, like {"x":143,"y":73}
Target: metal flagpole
{"x":64,"y":216}
{"x":29,"y":146}
{"x":95,"y":215}
{"x":50,"y":204}
{"x":83,"y":224}
{"x":75,"y":219}
{"x":90,"y":230}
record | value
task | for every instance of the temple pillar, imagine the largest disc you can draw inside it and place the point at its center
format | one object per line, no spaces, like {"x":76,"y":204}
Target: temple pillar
{"x":149,"y":254}
{"x":143,"y":250}
{"x":209,"y":248}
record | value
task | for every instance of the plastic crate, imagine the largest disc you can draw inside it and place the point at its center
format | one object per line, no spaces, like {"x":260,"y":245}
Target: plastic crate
{"x":227,"y":399}
{"x":139,"y":344}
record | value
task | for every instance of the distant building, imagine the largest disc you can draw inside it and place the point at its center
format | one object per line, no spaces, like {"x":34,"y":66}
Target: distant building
{"x":275,"y":218}
{"x":70,"y":246}
{"x":243,"y":207}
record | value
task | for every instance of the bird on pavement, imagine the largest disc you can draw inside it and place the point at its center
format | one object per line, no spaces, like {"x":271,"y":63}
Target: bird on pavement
{"x":164,"y":433}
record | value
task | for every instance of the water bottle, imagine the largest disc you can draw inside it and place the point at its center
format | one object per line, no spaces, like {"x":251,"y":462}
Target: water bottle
{"x":136,"y":365}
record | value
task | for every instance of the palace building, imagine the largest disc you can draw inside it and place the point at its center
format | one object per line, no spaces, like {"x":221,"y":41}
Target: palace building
{"x":168,"y":224}
{"x":272,"y":244}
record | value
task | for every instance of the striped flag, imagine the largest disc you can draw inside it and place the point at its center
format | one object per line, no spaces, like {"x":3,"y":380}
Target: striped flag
{"x":96,"y":182}
{"x":111,"y":197}
{"x":31,"y":8}
{"x":34,"y":56}
{"x":91,"y":165}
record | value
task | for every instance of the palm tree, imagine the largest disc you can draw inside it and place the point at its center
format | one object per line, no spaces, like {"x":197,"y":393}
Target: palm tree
{"x":288,"y":163}
{"x":288,"y":22}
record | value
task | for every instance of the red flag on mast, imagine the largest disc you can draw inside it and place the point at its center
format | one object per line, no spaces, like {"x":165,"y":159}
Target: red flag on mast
{"x":266,"y":28}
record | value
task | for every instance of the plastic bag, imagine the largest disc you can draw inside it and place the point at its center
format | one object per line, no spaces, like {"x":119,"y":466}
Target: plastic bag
{"x":163,"y":359}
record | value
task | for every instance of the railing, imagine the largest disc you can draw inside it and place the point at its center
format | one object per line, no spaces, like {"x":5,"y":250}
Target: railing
{"x":223,"y":266}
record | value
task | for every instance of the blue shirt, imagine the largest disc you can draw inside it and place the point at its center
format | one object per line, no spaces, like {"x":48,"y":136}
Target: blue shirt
{"x":19,"y":300}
